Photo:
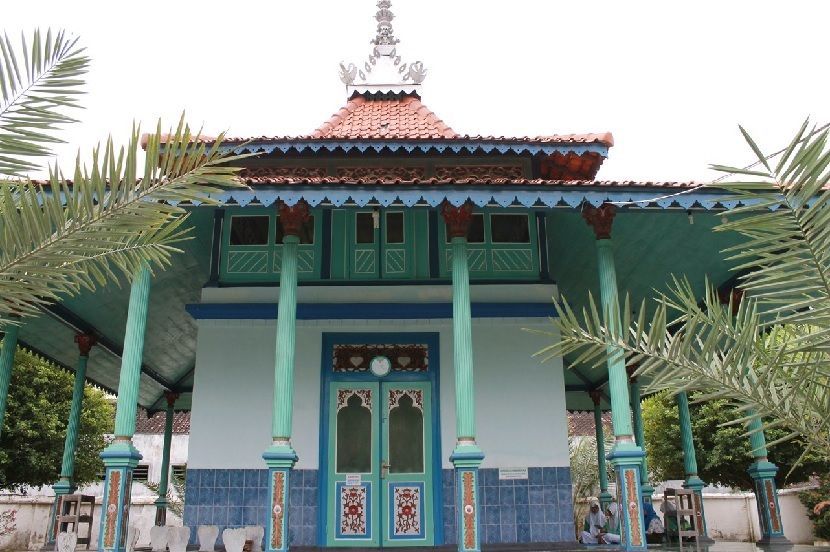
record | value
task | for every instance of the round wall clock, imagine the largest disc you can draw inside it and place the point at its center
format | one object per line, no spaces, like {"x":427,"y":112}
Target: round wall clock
{"x":380,"y":366}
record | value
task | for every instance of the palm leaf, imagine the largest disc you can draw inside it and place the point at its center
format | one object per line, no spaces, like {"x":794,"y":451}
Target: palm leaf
{"x":33,"y":95}
{"x":59,"y":237}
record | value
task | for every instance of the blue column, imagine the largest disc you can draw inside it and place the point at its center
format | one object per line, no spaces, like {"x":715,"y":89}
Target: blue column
{"x":121,"y":457}
{"x":66,"y":484}
{"x":763,"y":472}
{"x":604,"y":495}
{"x":467,"y":456}
{"x":280,"y":457}
{"x":161,"y":501}
{"x":625,"y":456}
{"x":6,"y":365}
{"x":646,"y":490}
{"x":692,"y":482}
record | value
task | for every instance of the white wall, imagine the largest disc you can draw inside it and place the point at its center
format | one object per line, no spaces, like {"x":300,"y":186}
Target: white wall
{"x":520,"y":404}
{"x":734,"y":517}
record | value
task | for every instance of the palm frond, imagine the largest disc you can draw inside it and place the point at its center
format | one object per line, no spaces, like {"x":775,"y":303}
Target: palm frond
{"x":59,"y":237}
{"x":34,"y":93}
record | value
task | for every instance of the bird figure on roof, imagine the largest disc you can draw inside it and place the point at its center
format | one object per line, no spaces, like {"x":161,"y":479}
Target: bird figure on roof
{"x":347,"y":74}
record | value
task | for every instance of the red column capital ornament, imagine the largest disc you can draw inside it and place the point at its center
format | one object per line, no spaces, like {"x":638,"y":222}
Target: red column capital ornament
{"x":293,"y":217}
{"x":457,"y":218}
{"x":171,"y":397}
{"x":600,"y":219}
{"x":595,"y":395}
{"x":85,"y":343}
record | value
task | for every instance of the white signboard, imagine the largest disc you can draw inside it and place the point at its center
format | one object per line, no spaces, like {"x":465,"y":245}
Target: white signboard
{"x":512,"y":473}
{"x":353,"y":479}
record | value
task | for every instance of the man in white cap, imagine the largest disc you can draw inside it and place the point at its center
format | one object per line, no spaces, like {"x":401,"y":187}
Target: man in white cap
{"x":594,"y":524}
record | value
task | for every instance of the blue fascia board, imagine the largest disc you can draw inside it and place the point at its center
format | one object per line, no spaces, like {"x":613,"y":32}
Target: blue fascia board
{"x":529,"y":196}
{"x":408,"y":146}
{"x":366,"y":311}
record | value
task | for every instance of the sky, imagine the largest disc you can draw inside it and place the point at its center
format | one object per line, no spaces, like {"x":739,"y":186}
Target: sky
{"x":671,"y":80}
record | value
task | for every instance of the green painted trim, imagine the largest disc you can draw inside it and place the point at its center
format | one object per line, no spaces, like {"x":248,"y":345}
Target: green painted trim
{"x":269,"y":255}
{"x":130,"y":375}
{"x":617,"y":376}
{"x":599,"y":431}
{"x":6,"y":366}
{"x":286,"y":336}
{"x":68,"y":462}
{"x":165,"y":454}
{"x":489,"y":260}
{"x":339,"y":247}
{"x":686,"y":437}
{"x":640,"y":438}
{"x":421,"y":240}
{"x":462,"y":343}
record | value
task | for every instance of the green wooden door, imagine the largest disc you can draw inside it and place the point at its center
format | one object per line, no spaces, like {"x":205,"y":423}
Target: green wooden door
{"x":406,"y":469}
{"x":364,"y":235}
{"x":380,"y":477}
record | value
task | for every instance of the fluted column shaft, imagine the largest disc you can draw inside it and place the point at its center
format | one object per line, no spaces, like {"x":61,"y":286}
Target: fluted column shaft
{"x":6,"y":365}
{"x":286,"y":338}
{"x":689,"y":456}
{"x":128,"y":381}
{"x":604,"y":495}
{"x":164,"y":477}
{"x":465,"y":423}
{"x":640,"y":438}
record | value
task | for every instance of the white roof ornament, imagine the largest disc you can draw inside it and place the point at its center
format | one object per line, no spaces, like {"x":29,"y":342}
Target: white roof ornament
{"x":383,"y":71}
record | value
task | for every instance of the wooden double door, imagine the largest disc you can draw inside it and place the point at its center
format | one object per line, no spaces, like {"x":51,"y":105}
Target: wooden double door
{"x":379,"y":479}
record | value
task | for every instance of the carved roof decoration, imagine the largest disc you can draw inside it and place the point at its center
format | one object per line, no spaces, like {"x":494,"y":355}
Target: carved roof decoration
{"x":384,"y":71}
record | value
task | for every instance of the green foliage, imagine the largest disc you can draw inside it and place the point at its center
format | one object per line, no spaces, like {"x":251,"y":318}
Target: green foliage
{"x":115,"y":216}
{"x":585,"y":475}
{"x":723,"y":451}
{"x":175,"y":493}
{"x":818,"y":508}
{"x":37,"y":81}
{"x":34,"y":430}
{"x":755,"y":353}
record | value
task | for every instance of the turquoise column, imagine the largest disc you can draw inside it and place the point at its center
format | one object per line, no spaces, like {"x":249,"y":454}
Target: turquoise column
{"x":646,"y":490}
{"x":280,"y":457}
{"x":6,"y":365}
{"x":121,"y":457}
{"x":692,"y":482}
{"x":161,"y":501}
{"x":625,"y":456}
{"x":763,"y":472}
{"x":467,"y":456}
{"x":604,"y":496}
{"x":66,"y":484}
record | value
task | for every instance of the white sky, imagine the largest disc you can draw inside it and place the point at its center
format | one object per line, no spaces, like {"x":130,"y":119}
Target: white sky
{"x":672,"y":81}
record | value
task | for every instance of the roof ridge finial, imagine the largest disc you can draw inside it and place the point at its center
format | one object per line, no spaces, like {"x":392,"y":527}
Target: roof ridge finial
{"x":385,"y":39}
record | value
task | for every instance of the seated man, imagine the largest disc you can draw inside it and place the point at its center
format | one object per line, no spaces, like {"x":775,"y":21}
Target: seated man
{"x":612,"y":535}
{"x":594,"y":525}
{"x":654,"y":527}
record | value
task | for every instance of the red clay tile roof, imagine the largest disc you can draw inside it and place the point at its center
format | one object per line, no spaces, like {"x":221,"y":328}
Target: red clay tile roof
{"x":155,"y":423}
{"x":405,"y":118}
{"x":582,"y":424}
{"x":330,"y":180}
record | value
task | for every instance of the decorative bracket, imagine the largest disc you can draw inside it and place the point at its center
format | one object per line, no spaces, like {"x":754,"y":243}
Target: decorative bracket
{"x":85,"y":343}
{"x":293,"y":217}
{"x":600,"y":219}
{"x":457,"y":218}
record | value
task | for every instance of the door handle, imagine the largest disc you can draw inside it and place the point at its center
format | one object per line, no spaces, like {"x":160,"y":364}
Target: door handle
{"x":384,"y":469}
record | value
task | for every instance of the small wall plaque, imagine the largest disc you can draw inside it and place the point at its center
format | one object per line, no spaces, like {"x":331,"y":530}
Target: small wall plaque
{"x":354,"y":479}
{"x":512,"y":473}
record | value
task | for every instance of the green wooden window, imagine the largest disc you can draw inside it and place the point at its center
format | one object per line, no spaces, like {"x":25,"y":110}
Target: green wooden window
{"x":501,"y":244}
{"x":252,"y":246}
{"x":374,"y":244}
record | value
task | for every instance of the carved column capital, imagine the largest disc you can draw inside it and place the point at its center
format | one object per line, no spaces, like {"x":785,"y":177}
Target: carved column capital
{"x":457,"y":218}
{"x":596,"y":396}
{"x":85,"y":343}
{"x":735,"y":295}
{"x":171,"y":397}
{"x":630,"y":369}
{"x":293,"y":217}
{"x":600,"y":219}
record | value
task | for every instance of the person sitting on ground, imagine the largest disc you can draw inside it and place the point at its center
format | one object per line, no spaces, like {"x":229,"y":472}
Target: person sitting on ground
{"x":594,"y":525}
{"x":612,"y":535}
{"x":654,"y":527}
